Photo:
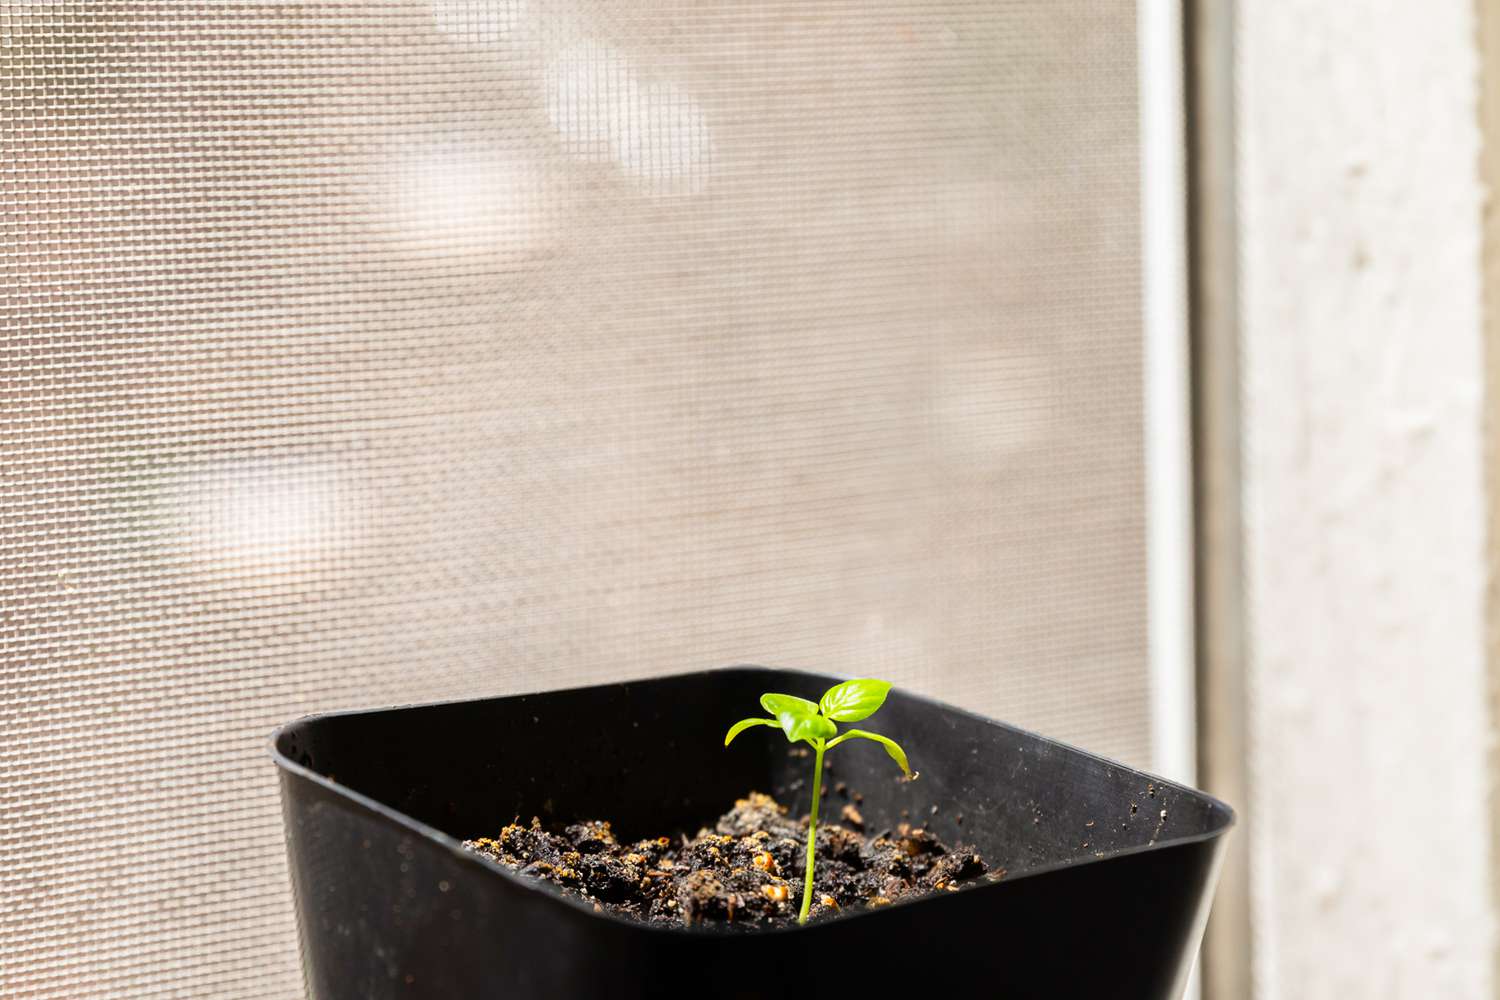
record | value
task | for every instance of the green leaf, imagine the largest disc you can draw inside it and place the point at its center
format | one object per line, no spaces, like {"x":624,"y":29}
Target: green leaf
{"x":744,"y":724}
{"x":854,"y":700}
{"x":891,"y":746}
{"x":805,"y":725}
{"x":778,"y":703}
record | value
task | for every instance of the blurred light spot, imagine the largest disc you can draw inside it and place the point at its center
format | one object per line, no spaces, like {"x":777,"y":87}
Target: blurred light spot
{"x":452,"y":198}
{"x":602,"y":111}
{"x":484,"y":23}
{"x":992,"y":403}
{"x":260,"y":516}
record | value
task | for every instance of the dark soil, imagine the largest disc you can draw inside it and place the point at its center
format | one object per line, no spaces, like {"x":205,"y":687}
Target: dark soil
{"x":746,"y":871}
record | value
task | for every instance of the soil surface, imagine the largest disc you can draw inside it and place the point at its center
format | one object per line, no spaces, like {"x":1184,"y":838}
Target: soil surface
{"x":746,"y":871}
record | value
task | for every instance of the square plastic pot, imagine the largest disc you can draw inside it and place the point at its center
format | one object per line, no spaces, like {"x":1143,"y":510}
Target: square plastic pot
{"x":1109,"y":871}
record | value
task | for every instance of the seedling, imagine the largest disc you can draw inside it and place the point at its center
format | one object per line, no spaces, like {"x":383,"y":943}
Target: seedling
{"x":801,"y":720}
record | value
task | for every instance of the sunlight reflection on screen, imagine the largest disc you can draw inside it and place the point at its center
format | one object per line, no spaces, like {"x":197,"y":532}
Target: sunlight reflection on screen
{"x":602,"y":110}
{"x":463,"y":198}
{"x":261,"y":517}
{"x":992,"y":404}
{"x":485,"y":23}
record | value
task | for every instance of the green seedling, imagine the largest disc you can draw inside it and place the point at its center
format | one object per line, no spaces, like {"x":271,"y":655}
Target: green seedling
{"x":803,"y":721}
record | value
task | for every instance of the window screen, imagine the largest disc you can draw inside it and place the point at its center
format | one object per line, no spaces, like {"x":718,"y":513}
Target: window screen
{"x":358,"y":353}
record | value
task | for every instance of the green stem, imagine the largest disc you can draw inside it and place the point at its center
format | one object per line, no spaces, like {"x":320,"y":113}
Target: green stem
{"x":812,"y":830}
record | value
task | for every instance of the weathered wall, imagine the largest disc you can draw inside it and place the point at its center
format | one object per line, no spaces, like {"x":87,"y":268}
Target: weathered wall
{"x":1361,"y":221}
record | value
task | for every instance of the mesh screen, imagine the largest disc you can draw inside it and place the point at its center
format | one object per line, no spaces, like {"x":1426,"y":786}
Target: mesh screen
{"x":356,"y":353}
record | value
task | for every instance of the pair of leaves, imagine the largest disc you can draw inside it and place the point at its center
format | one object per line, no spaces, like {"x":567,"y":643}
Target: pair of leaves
{"x":801,"y":719}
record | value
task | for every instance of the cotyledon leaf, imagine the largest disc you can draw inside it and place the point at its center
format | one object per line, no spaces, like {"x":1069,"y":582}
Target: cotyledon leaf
{"x":891,"y":746}
{"x":744,"y":724}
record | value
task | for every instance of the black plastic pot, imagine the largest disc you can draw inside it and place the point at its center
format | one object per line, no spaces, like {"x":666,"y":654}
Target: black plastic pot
{"x":1109,"y":871}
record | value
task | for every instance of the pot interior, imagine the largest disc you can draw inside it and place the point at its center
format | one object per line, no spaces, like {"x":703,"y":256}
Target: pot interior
{"x":648,"y":756}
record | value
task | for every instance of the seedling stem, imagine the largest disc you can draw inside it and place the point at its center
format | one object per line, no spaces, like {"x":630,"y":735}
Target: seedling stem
{"x":812,"y":832}
{"x":814,"y":724}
